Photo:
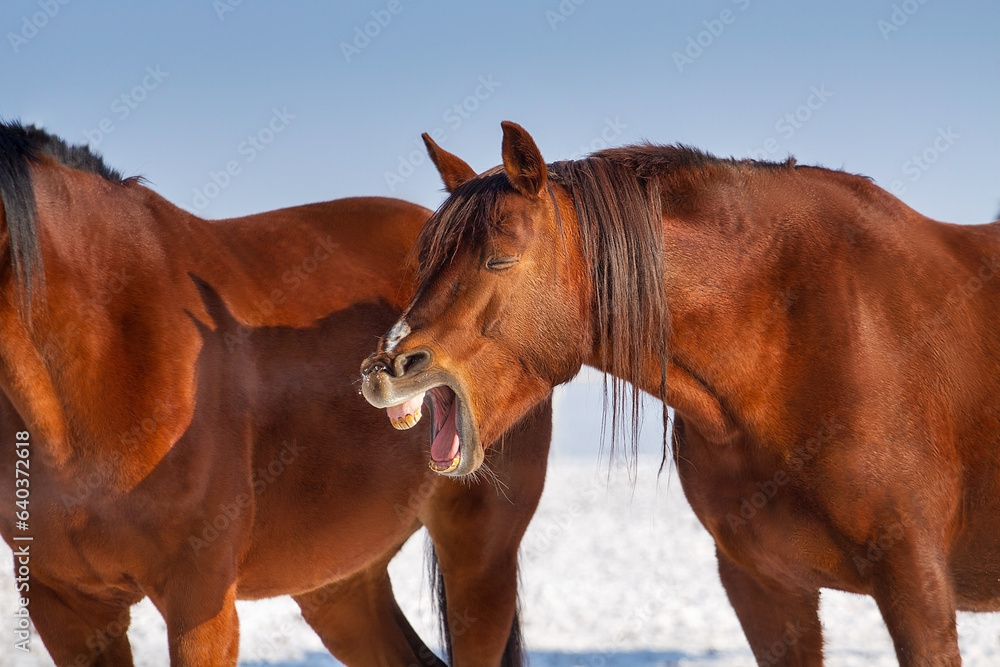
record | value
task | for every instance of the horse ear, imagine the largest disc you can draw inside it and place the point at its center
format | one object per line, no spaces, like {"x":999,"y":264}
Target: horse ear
{"x":453,"y":169}
{"x":522,"y":160}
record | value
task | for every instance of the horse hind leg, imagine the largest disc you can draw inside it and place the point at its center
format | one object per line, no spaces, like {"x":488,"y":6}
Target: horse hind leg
{"x":781,"y":625}
{"x":360,"y":622}
{"x":79,"y":630}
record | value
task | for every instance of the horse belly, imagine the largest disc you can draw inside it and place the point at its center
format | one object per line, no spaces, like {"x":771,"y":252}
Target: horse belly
{"x":975,"y":563}
{"x":337,"y":510}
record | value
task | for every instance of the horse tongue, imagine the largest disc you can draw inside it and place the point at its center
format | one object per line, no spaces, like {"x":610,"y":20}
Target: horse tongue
{"x":446,"y":444}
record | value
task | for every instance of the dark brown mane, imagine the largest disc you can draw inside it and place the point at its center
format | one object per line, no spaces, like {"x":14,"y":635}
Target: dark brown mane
{"x":468,"y":215}
{"x":21,"y":146}
{"x":621,"y":233}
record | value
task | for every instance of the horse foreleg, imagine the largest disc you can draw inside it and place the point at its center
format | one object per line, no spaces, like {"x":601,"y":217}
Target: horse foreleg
{"x":79,"y":630}
{"x":480,"y":595}
{"x":477,"y":529}
{"x":202,"y":625}
{"x":913,"y":590}
{"x":361,"y":624}
{"x":781,"y":625}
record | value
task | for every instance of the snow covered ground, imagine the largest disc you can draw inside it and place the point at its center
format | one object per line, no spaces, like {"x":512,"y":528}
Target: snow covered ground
{"x":614,"y":574}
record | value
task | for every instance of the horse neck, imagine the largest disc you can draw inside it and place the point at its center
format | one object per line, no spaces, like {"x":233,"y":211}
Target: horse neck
{"x":762,"y":265}
{"x":69,"y":371}
{"x":293,"y":266}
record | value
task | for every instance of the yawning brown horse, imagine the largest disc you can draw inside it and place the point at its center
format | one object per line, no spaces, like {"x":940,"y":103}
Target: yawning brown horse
{"x":188,"y":390}
{"x":833,"y":358}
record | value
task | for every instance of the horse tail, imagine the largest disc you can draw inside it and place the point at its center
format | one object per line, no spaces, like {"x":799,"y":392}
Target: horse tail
{"x":513,"y":653}
{"x":440,"y":601}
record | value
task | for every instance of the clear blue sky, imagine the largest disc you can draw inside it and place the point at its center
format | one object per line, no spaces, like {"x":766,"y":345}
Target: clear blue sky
{"x":930,"y":88}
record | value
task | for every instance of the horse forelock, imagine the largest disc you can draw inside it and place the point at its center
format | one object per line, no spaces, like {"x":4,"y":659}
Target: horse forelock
{"x":468,"y":216}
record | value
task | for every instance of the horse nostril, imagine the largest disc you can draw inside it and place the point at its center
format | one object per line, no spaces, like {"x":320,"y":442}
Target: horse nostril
{"x":412,"y":362}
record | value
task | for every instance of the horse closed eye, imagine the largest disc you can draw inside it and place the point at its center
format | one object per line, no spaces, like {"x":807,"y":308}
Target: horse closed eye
{"x":501,"y":263}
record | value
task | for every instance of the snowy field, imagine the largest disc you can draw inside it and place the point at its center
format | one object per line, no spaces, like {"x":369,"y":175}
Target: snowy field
{"x":614,"y":574}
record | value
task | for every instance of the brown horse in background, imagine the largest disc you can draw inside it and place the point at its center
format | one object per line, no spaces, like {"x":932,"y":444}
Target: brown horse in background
{"x":832,"y":356}
{"x":196,"y":430}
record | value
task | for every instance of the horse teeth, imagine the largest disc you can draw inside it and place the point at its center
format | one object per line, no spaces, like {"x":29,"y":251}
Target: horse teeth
{"x":445,"y":469}
{"x":406,"y":421}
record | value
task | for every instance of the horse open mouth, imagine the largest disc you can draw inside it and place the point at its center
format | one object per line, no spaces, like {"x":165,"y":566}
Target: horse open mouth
{"x":449,"y":429}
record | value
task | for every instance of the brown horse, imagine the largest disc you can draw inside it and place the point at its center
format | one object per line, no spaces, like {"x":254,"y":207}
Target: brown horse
{"x":832,"y":356}
{"x":196,"y":433}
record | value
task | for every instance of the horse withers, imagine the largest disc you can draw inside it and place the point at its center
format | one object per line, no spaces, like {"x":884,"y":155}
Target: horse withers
{"x":188,"y":392}
{"x":832,"y":356}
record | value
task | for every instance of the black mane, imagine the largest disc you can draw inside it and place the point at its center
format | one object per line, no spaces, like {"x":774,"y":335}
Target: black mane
{"x":21,"y":146}
{"x":32,"y":142}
